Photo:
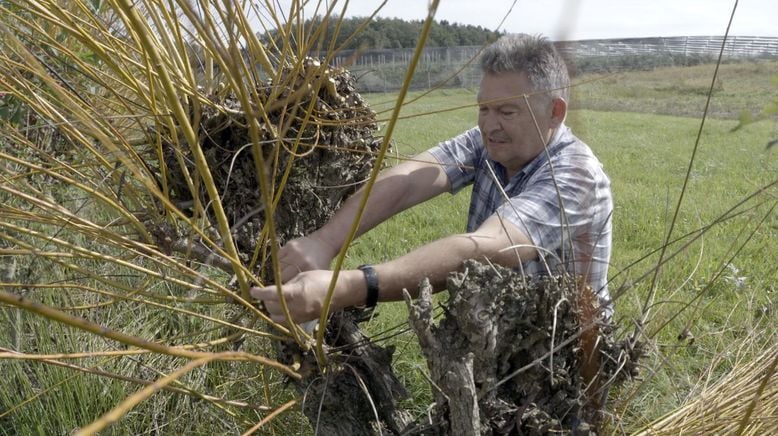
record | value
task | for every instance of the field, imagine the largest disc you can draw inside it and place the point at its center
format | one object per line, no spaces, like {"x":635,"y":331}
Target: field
{"x":714,"y":298}
{"x":643,"y":126}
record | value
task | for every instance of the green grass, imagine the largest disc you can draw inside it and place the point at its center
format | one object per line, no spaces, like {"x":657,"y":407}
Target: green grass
{"x":744,"y":86}
{"x":645,"y":154}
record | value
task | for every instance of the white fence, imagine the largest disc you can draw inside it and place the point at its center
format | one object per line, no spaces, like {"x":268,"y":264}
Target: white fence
{"x":383,"y":70}
{"x":736,"y":46}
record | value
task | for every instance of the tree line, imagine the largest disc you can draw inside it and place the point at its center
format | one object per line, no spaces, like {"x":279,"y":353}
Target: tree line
{"x":389,"y":33}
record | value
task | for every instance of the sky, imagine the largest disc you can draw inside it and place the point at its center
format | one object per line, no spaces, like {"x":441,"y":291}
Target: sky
{"x":589,"y":19}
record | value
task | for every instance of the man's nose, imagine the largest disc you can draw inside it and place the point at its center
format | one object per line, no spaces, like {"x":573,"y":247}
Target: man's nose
{"x":490,"y":122}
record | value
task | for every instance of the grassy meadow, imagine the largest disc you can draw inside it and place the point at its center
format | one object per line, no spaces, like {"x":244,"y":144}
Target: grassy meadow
{"x":714,"y":298}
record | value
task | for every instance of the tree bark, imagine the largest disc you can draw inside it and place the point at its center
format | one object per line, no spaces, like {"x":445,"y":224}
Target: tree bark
{"x":513,"y":355}
{"x":357,"y":393}
{"x":451,"y":370}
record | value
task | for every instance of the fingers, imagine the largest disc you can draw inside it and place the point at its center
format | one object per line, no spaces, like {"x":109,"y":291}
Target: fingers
{"x":289,"y":251}
{"x":302,"y":254}
{"x":289,"y":257}
{"x":265,"y":293}
{"x":269,"y":297}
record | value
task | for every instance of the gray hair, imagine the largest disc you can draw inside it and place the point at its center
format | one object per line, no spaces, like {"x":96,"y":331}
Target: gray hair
{"x":534,"y":55}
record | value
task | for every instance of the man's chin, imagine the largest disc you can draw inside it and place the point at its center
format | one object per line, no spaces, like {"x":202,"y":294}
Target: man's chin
{"x":496,"y":150}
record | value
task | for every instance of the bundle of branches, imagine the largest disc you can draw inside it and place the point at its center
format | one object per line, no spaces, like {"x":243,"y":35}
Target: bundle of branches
{"x":743,"y":401}
{"x":318,"y":136}
{"x":164,"y":146}
{"x":515,"y":355}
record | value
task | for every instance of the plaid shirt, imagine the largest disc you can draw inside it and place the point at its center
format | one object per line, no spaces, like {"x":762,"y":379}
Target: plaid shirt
{"x":572,"y":228}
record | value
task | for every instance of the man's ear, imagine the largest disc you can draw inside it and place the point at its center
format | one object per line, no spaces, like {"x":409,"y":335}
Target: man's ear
{"x":558,"y":111}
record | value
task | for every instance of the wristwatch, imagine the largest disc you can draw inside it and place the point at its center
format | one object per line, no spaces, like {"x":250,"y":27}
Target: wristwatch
{"x":371,"y":278}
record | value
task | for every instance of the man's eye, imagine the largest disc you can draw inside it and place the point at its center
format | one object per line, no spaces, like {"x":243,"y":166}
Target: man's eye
{"x":508,"y":113}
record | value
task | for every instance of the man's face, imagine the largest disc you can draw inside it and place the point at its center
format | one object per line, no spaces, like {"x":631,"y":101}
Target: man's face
{"x":509,"y":132}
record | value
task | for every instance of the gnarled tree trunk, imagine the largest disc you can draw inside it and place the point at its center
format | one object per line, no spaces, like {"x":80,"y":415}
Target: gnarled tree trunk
{"x":509,"y":357}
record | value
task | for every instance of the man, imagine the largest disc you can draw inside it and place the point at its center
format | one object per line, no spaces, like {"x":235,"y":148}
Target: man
{"x":540,"y":200}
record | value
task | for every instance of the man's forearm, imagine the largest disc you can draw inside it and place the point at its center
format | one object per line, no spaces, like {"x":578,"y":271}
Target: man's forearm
{"x":439,"y":258}
{"x":434,"y":261}
{"x":395,"y":190}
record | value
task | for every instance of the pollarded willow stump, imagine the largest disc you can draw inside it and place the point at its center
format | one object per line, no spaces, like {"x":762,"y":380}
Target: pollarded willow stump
{"x":490,"y":356}
{"x":321,"y":158}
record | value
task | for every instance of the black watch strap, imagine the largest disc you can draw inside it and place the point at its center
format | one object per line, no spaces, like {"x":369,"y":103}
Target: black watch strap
{"x":371,"y":278}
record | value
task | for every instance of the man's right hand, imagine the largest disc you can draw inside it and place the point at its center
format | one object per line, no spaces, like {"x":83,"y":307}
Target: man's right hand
{"x":305,"y":254}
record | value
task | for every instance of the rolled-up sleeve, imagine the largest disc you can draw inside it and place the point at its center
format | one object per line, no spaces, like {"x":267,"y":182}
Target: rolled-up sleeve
{"x":459,"y":157}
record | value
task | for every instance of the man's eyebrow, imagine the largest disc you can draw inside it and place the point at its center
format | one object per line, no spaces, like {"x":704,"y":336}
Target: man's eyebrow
{"x":500,"y":105}
{"x":498,"y":101}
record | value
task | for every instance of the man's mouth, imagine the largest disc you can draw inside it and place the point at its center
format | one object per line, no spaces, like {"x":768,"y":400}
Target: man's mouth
{"x":498,"y":140}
